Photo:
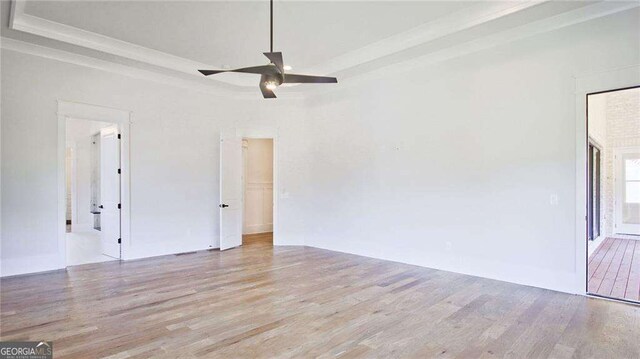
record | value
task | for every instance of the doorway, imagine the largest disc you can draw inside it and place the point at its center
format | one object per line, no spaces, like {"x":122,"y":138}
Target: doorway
{"x":98,"y":176}
{"x":613,"y":194}
{"x":248,"y":163}
{"x":92,"y":170}
{"x":257,"y":224}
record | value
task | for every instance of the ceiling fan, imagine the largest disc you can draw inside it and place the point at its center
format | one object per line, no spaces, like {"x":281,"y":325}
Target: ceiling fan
{"x":273,"y":74}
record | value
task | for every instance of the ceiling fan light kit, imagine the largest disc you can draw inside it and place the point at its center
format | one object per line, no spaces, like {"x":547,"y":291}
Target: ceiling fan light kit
{"x":273,"y":74}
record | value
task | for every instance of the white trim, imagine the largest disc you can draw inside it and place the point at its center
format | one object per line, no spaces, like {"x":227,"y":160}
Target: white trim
{"x":68,"y":109}
{"x":209,"y":87}
{"x":585,"y":84}
{"x":54,"y":30}
{"x":569,"y":18}
{"x":617,"y":191}
{"x":258,"y":228}
{"x":83,"y":227}
{"x":478,"y":14}
{"x":475,"y":15}
{"x":464,"y":19}
{"x":74,"y":181}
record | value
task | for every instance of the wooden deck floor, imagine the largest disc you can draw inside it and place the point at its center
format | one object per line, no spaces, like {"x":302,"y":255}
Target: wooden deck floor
{"x":300,"y":302}
{"x":614,"y":269}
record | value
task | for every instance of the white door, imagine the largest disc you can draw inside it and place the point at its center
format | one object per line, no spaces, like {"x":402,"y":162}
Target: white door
{"x":230,"y":192}
{"x":110,"y":192}
{"x":627,"y":191}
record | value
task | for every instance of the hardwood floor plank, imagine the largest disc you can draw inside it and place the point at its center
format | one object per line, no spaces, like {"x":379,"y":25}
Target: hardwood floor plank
{"x":598,"y":277}
{"x":622,"y":277}
{"x":612,"y":271}
{"x":298,"y":302}
{"x":632,"y":292}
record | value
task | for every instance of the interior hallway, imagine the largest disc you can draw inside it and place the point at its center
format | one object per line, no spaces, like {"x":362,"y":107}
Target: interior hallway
{"x":291,"y":301}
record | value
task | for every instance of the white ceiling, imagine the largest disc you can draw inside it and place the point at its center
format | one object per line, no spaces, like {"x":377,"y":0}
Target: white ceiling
{"x":167,"y":41}
{"x":236,"y":33}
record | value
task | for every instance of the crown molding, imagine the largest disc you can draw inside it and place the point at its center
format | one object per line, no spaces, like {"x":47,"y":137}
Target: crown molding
{"x":133,"y":72}
{"x":466,"y":18}
{"x":569,"y":18}
{"x":22,"y":21}
{"x":461,"y":20}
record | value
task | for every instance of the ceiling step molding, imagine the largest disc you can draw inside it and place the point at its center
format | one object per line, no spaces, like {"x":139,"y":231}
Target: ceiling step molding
{"x":129,"y":71}
{"x":461,"y":20}
{"x":22,"y":21}
{"x":480,"y":13}
{"x":569,"y":18}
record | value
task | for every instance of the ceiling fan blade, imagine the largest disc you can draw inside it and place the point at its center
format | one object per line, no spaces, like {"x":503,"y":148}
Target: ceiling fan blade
{"x":266,"y":93}
{"x":210,"y":72}
{"x":276,"y":59}
{"x":250,"y":70}
{"x":307,"y":79}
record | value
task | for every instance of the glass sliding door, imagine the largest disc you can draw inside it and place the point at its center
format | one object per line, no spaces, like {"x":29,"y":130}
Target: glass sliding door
{"x":593,"y":216}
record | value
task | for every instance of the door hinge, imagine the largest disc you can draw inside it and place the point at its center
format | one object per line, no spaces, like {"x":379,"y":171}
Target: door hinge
{"x":119,"y":171}
{"x":119,"y":136}
{"x":119,"y":240}
{"x":118,"y":205}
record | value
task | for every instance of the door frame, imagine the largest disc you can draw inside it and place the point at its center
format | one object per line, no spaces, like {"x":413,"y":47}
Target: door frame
{"x":591,"y":84}
{"x":122,"y":118}
{"x":262,"y":133}
{"x":616,"y":185}
{"x":74,"y":180}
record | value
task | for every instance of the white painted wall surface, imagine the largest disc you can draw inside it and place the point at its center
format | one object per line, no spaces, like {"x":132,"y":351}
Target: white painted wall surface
{"x":451,"y":166}
{"x":174,"y":158}
{"x":258,"y":185}
{"x":456,"y":166}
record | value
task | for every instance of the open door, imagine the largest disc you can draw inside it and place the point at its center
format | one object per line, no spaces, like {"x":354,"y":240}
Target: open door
{"x":110,"y":192}
{"x":230,"y":192}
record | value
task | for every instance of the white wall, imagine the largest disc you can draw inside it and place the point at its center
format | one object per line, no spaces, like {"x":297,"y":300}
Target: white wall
{"x":458,"y":166}
{"x":454,"y":166}
{"x":258,"y":185}
{"x":174,"y":158}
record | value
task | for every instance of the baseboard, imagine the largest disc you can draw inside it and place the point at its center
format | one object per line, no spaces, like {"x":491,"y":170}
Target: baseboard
{"x":258,"y":228}
{"x":31,"y":265}
{"x":535,"y":277}
{"x":82,"y":227}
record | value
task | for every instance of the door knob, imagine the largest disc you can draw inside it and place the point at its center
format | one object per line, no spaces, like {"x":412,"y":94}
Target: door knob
{"x":224,"y":205}
{"x":100,"y":206}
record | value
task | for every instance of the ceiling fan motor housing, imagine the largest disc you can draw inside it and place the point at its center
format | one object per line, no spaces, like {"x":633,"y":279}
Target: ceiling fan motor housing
{"x":274,"y":76}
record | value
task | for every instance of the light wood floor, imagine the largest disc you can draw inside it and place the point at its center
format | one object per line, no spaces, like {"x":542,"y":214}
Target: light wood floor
{"x":298,"y":302}
{"x":258,"y":239}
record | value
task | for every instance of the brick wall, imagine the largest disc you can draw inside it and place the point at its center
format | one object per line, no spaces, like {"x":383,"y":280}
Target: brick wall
{"x":623,"y":130}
